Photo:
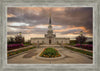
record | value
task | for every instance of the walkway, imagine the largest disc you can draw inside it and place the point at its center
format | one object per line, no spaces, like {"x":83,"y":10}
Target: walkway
{"x":71,"y":57}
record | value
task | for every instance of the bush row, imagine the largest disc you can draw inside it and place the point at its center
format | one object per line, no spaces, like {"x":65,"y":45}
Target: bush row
{"x":85,"y":46}
{"x":14,"y":46}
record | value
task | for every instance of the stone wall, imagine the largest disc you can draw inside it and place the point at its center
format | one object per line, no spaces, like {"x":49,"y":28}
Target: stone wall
{"x":36,"y":40}
{"x":53,"y":40}
{"x":62,"y":40}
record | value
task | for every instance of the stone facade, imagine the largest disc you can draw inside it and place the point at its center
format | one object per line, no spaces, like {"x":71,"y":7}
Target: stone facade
{"x":50,"y":37}
{"x":47,"y":41}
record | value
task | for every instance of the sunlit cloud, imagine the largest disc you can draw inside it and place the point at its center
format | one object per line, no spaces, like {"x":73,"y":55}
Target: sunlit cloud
{"x":41,"y":26}
{"x":19,"y":24}
{"x":14,"y":29}
{"x":57,"y":27}
{"x":11,"y":15}
{"x":68,"y":29}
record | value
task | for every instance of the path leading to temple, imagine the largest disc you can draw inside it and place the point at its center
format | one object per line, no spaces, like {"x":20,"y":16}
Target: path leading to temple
{"x":71,"y":57}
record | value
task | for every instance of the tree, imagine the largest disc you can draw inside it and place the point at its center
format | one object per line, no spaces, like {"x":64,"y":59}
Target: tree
{"x":19,"y":38}
{"x":81,"y":39}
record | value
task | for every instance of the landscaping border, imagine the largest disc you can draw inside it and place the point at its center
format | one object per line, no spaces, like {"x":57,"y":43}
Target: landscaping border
{"x":44,"y":58}
{"x":91,"y":57}
{"x":8,"y":57}
{"x":20,"y":48}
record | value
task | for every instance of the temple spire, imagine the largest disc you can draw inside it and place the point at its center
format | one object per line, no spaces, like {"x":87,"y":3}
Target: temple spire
{"x":50,"y":18}
{"x":50,"y":31}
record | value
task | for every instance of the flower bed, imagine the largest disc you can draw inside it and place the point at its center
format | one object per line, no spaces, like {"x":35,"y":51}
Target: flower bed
{"x":14,"y":46}
{"x":85,"y":46}
{"x":50,"y":53}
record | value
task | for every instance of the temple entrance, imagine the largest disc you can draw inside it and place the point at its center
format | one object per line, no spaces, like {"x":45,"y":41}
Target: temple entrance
{"x":49,"y":41}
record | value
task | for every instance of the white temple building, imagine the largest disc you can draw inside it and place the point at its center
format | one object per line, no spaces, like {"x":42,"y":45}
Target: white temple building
{"x":50,"y":38}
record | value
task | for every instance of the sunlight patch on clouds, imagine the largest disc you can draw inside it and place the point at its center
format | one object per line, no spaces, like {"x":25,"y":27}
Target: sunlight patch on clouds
{"x":10,"y":15}
{"x":73,"y":28}
{"x":29,"y":36}
{"x":13,"y":29}
{"x":59,"y":9}
{"x":57,"y":26}
{"x":19,"y":24}
{"x":41,"y":26}
{"x":46,"y":26}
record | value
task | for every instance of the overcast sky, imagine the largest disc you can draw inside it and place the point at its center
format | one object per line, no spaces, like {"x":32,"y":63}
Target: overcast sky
{"x":33,"y":21}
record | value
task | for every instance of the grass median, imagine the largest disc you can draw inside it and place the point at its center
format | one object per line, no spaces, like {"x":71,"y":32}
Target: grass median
{"x":19,"y":51}
{"x":81,"y":51}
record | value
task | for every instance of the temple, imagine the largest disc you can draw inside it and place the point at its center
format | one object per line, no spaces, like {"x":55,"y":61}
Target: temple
{"x":50,"y":38}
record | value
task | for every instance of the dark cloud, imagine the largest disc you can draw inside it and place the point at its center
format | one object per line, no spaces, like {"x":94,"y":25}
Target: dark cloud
{"x":66,"y":16}
{"x":28,"y":31}
{"x":76,"y":17}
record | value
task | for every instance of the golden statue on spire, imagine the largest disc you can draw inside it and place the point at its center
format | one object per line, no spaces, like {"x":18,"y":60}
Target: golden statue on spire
{"x":50,"y":14}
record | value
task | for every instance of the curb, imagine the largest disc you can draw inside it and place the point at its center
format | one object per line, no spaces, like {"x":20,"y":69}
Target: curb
{"x":43,"y":58}
{"x":9,"y":57}
{"x":81,"y":53}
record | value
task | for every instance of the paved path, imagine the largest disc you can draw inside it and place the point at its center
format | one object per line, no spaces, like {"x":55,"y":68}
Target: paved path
{"x":71,"y":57}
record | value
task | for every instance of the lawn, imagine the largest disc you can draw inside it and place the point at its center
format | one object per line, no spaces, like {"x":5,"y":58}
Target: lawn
{"x":81,"y":51}
{"x":27,"y":44}
{"x":18,"y":51}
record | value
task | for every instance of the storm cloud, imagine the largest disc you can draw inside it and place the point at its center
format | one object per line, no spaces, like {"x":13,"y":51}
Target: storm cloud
{"x":70,"y":19}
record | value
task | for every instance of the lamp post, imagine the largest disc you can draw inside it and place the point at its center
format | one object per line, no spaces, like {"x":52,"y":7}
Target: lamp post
{"x":37,"y":44}
{"x":20,"y":33}
{"x":81,"y":33}
{"x":81,"y":38}
{"x":62,"y":43}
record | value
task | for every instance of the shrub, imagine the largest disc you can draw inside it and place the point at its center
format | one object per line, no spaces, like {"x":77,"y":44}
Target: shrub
{"x":85,"y":46}
{"x":14,"y":46}
{"x":72,"y":42}
{"x":90,"y":42}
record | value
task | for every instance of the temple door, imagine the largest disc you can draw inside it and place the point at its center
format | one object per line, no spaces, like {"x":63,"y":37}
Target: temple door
{"x":49,"y":41}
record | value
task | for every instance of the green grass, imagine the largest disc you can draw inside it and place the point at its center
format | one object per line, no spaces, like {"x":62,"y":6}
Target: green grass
{"x":81,"y":51}
{"x":50,"y":52}
{"x":26,"y":44}
{"x":70,"y":44}
{"x":19,"y":51}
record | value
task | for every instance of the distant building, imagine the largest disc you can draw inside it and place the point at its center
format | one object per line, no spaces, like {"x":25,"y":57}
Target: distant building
{"x":89,"y":40}
{"x":50,"y":37}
